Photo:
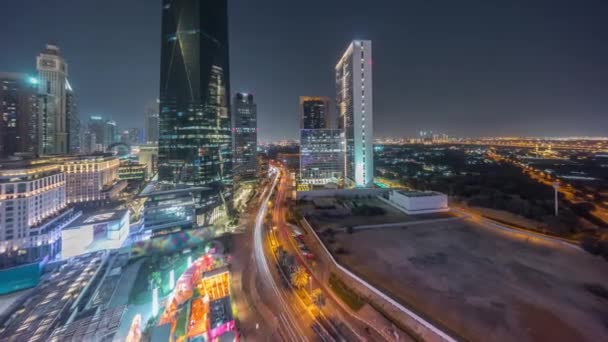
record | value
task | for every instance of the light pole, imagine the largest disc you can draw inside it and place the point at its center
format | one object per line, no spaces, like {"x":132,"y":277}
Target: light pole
{"x":556,"y":188}
{"x":310,"y":283}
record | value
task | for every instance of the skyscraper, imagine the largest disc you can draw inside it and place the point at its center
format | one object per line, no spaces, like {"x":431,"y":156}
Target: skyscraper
{"x":320,"y":146}
{"x":152,"y":124}
{"x":314,"y":112}
{"x":53,"y":120}
{"x":73,"y":121}
{"x":95,"y":135}
{"x":356,"y":112}
{"x":195,"y":144}
{"x":18,"y":113}
{"x":245,"y":137}
{"x":110,"y":134}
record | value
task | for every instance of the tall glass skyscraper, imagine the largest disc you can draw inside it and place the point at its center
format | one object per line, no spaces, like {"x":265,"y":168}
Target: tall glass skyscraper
{"x":245,"y":137}
{"x":356,"y":112}
{"x":195,"y":143}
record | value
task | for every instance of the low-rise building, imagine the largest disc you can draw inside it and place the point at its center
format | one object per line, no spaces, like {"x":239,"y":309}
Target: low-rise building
{"x":33,"y":210}
{"x":419,"y":202}
{"x":169,"y":210}
{"x":89,"y":233}
{"x":133,"y":171}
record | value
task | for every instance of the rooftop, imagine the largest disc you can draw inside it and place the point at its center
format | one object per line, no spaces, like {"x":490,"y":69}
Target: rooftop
{"x":98,"y":217}
{"x":419,"y":193}
{"x":45,"y":307}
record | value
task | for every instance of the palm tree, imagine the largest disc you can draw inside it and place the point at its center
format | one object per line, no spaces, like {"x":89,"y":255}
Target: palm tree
{"x":318,"y":298}
{"x":299,"y":278}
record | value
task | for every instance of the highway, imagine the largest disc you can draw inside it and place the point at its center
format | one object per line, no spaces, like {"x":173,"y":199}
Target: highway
{"x":334,"y":317}
{"x":286,"y":316}
{"x":566,"y":190}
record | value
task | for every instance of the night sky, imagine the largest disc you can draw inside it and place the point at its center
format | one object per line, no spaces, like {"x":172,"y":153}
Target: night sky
{"x":476,"y":68}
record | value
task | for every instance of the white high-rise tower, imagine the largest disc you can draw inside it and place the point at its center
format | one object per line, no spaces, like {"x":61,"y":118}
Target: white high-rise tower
{"x":356,"y":112}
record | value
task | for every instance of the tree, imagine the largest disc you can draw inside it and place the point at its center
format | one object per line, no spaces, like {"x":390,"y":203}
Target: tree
{"x":318,"y":298}
{"x":299,"y":278}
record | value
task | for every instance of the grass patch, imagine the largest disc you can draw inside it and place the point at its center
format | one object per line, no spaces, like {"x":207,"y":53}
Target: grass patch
{"x":348,"y":296}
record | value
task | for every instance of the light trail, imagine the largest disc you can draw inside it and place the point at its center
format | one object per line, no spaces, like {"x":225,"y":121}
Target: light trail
{"x":262,"y":264}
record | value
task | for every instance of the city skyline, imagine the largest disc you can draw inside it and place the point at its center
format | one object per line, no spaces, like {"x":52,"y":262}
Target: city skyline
{"x":439,"y":71}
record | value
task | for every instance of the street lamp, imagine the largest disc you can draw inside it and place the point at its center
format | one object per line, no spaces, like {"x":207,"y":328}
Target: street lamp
{"x":556,"y":188}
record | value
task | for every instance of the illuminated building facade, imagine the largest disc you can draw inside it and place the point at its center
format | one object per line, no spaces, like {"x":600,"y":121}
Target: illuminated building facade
{"x":18,"y":113}
{"x":148,"y":156}
{"x":129,"y":170}
{"x":53,"y":137}
{"x":73,"y":123}
{"x":320,"y":146}
{"x":195,"y":144}
{"x":33,"y":210}
{"x":169,"y":210}
{"x":355,"y":112}
{"x":320,"y":156}
{"x":92,"y":178}
{"x":245,"y":137}
{"x":151,"y":124}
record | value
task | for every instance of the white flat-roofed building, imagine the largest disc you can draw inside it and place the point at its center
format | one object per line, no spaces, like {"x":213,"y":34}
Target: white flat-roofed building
{"x":101,"y":230}
{"x":419,"y":202}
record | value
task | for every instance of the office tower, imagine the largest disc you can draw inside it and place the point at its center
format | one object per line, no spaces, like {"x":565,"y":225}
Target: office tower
{"x":195,"y":144}
{"x":320,"y":146}
{"x":314,"y":112}
{"x":96,"y":133}
{"x":135,"y":136}
{"x":321,"y":156}
{"x":110,"y":134}
{"x":245,"y":137}
{"x":152,"y":123}
{"x":356,"y":112}
{"x":73,"y":122}
{"x":53,"y":121}
{"x":18,"y":113}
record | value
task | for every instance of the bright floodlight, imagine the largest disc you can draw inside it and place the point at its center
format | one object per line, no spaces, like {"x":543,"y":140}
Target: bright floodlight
{"x":154,"y":301}
{"x":171,"y":279}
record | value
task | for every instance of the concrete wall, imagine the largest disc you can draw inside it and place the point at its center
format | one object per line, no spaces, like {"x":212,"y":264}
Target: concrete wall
{"x":414,"y":322}
{"x":341,"y":193}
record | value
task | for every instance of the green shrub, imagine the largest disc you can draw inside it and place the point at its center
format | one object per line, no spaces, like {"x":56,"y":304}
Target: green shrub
{"x":348,"y":296}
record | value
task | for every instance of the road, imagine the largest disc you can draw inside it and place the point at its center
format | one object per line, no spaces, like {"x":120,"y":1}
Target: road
{"x":336,"y":318}
{"x":567,"y":191}
{"x":265,"y":311}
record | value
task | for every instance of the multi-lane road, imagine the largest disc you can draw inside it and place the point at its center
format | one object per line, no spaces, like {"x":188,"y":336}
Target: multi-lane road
{"x":269,"y":309}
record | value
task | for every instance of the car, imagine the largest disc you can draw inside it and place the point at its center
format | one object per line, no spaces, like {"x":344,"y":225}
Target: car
{"x":308,"y":255}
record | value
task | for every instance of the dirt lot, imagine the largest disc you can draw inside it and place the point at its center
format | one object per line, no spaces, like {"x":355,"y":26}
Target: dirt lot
{"x":482,"y":285}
